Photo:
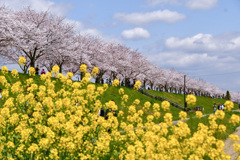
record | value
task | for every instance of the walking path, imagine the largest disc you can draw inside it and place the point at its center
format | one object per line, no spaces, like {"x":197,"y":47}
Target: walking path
{"x":175,"y":122}
{"x":228,"y":148}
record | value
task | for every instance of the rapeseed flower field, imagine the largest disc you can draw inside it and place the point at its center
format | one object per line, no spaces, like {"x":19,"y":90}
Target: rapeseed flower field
{"x":36,"y":122}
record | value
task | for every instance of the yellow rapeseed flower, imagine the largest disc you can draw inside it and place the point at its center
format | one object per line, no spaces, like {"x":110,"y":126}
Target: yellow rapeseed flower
{"x":95,"y":71}
{"x":121,"y":91}
{"x":63,"y":121}
{"x":182,"y":115}
{"x":165,"y":105}
{"x":199,"y":114}
{"x":156,"y":107}
{"x":14,"y":73}
{"x":157,"y":115}
{"x":55,"y":69}
{"x":83,"y":68}
{"x":125,"y":97}
{"x":4,"y":69}
{"x":168,"y":119}
{"x":229,"y":105}
{"x":115,"y":83}
{"x":235,"y":119}
{"x":191,"y":99}
{"x":32,"y":71}
{"x":69,"y":75}
{"x":21,"y":61}
{"x":137,"y":85}
{"x":136,"y":102}
{"x":220,"y":114}
{"x":234,"y":137}
{"x":222,"y":128}
{"x":146,"y":106}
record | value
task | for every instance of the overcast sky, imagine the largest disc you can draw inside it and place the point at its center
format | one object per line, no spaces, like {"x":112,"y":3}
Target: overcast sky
{"x":198,"y":37}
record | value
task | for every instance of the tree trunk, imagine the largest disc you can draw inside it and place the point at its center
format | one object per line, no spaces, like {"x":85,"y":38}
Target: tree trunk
{"x":32,"y":63}
{"x":127,"y":82}
{"x":151,"y":84}
{"x":25,"y":68}
{"x":165,"y":87}
{"x":60,"y":70}
{"x":144,"y":84}
{"x":99,"y":76}
{"x":82,"y":75}
{"x":114,"y":75}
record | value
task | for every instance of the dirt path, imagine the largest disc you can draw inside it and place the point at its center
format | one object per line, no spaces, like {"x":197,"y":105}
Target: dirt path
{"x":228,"y":148}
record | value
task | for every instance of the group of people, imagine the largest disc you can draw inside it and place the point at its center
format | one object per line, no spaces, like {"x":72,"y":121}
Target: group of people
{"x":37,"y":70}
{"x":219,"y":107}
{"x":198,"y":109}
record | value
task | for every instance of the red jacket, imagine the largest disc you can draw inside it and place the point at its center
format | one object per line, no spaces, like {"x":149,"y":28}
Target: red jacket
{"x":43,"y":72}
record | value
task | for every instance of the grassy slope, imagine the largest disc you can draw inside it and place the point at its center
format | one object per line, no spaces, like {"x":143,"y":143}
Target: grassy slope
{"x":205,"y":102}
{"x":110,"y":94}
{"x":230,"y":128}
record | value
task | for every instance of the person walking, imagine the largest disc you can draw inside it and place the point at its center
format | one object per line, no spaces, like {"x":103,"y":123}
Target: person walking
{"x":37,"y":70}
{"x":221,"y":107}
{"x":214,"y":107}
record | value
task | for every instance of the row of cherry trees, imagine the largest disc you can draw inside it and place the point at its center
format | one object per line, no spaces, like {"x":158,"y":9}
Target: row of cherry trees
{"x":49,"y":40}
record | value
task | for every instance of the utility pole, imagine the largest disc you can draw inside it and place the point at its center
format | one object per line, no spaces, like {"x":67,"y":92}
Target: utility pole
{"x":184,"y":86}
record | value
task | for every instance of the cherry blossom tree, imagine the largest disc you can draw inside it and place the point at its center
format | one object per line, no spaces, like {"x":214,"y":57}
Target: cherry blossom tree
{"x":104,"y":58}
{"x":79,"y":53}
{"x":235,"y":97}
{"x":48,"y":40}
{"x":116,"y":56}
{"x":60,"y":54}
{"x":35,"y":35}
{"x":7,"y":22}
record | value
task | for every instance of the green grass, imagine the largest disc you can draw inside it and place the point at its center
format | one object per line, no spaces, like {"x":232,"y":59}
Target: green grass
{"x":230,"y":128}
{"x":205,"y":102}
{"x":110,"y":94}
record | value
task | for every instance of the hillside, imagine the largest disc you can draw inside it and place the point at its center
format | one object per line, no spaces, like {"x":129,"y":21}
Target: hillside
{"x":111,"y":94}
{"x":205,"y":102}
{"x":68,"y":111}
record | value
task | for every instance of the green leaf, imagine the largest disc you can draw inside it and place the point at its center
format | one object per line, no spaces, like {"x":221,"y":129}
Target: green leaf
{"x":9,"y":155}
